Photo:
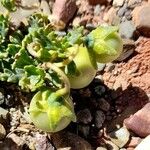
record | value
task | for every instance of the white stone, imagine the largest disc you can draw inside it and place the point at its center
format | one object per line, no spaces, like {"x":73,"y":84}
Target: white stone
{"x":45,"y":7}
{"x":101,"y":148}
{"x":120,"y":137}
{"x":118,"y":3}
{"x":144,"y":145}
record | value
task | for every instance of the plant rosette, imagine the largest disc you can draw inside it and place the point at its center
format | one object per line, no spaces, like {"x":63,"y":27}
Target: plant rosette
{"x":39,"y":60}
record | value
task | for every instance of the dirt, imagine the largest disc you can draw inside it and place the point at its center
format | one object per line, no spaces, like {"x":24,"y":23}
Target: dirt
{"x":119,"y":86}
{"x":135,"y":70}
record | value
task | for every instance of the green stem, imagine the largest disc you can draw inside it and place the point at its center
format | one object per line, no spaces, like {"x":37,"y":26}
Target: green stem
{"x":66,"y":88}
{"x":30,"y":48}
{"x":69,"y":59}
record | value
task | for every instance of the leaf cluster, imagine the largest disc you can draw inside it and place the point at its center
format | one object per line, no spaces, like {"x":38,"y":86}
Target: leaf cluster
{"x":39,"y":60}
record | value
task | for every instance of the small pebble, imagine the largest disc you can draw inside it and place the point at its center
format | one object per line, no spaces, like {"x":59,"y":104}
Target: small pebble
{"x":99,"y":119}
{"x":84,"y":116}
{"x":2,"y":132}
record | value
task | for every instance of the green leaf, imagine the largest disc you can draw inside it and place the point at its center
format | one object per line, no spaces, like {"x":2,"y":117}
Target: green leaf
{"x":33,"y":78}
{"x":71,"y":69}
{"x":9,"y":4}
{"x":12,"y":49}
{"x":4,"y":26}
{"x":22,"y":59}
{"x":11,"y":76}
{"x":16,"y":37}
{"x":75,"y":36}
{"x":3,"y":52}
{"x":44,"y":45}
{"x":53,"y":79}
{"x":36,"y":21}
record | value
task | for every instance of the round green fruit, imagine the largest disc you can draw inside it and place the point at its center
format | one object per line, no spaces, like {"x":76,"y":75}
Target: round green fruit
{"x":86,"y":68}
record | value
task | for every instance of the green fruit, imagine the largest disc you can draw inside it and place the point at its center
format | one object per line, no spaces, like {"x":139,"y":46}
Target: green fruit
{"x":86,"y":67}
{"x":51,"y":113}
{"x":106,"y":43}
{"x":112,"y":41}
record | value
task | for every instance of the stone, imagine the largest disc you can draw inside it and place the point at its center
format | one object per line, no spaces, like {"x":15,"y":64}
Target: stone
{"x":109,"y":67}
{"x":128,"y":49}
{"x":63,"y":11}
{"x":101,"y":148}
{"x":99,"y":118}
{"x":144,"y":145}
{"x":122,"y":11}
{"x":66,"y":148}
{"x":127,"y":29}
{"x":20,"y":15}
{"x":118,"y":3}
{"x":103,"y":104}
{"x":8,"y":144}
{"x":84,"y":116}
{"x":140,"y":121}
{"x":101,"y":66}
{"x":128,"y":15}
{"x":42,"y":143}
{"x":133,"y":3}
{"x":45,"y":7}
{"x":111,"y":146}
{"x":84,"y":130}
{"x":66,"y":139}
{"x":100,"y":90}
{"x":2,"y":132}
{"x":28,"y":5}
{"x":90,"y":26}
{"x":113,"y":124}
{"x":97,"y":10}
{"x":130,"y":148}
{"x":76,"y":21}
{"x":141,"y":19}
{"x":95,"y":2}
{"x":120,"y":137}
{"x":16,"y":139}
{"x":84,"y":20}
{"x":134,"y":141}
{"x":2,"y":97}
{"x":4,"y":115}
{"x":111,"y":17}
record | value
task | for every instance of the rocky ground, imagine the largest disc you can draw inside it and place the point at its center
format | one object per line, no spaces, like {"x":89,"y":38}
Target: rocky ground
{"x":113,"y":111}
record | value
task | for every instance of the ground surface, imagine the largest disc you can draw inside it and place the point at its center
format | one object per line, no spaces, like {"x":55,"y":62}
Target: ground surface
{"x":119,"y":90}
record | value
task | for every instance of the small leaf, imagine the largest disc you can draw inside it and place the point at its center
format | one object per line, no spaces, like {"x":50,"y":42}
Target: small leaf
{"x":71,"y":69}
{"x":36,"y":21}
{"x":4,"y":26}
{"x":22,"y":59}
{"x":75,"y":36}
{"x":33,"y":78}
{"x":12,"y":49}
{"x":9,"y":4}
{"x":16,"y":37}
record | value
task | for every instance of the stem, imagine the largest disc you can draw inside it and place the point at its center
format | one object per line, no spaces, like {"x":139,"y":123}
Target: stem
{"x":69,"y":59}
{"x":66,"y":88}
{"x":30,"y":49}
